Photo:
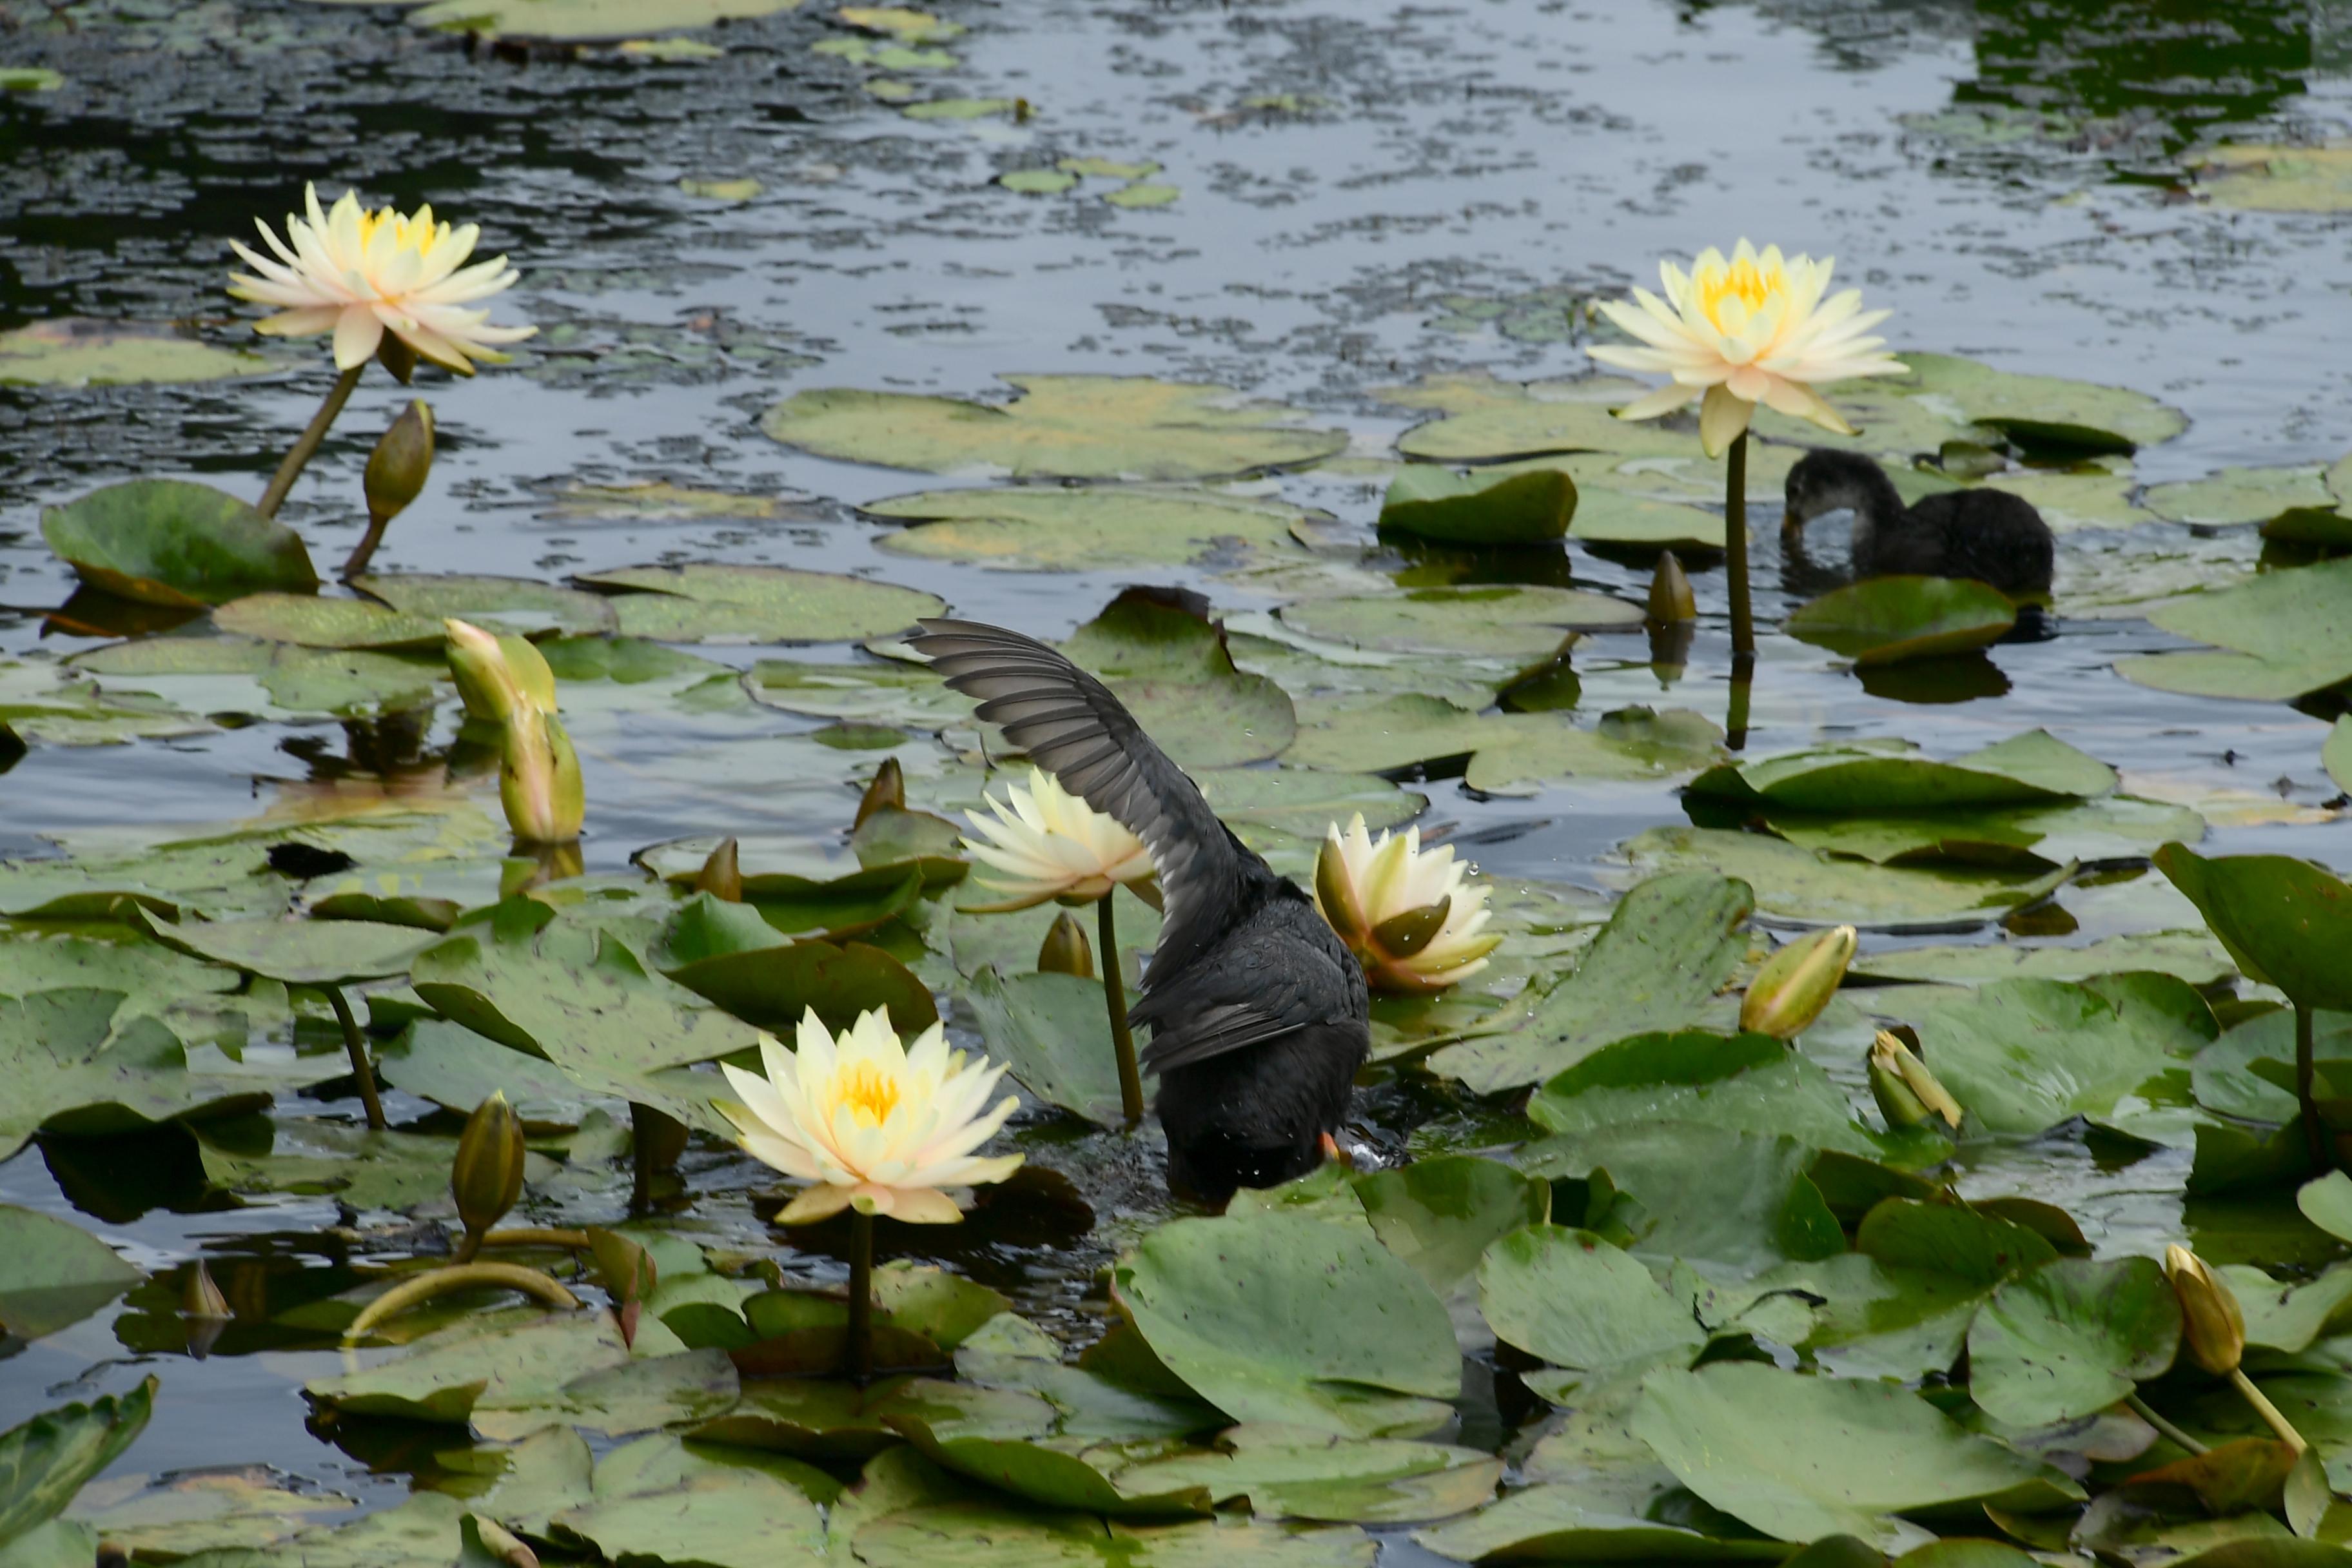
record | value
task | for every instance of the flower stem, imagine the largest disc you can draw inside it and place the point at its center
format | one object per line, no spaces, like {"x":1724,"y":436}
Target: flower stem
{"x":2267,"y":1410}
{"x":1735,"y":720}
{"x":306,"y":446}
{"x":861,"y":1297}
{"x":2147,"y":1413}
{"x":1122,"y":1039}
{"x":460,"y":1277}
{"x":364,"y":552}
{"x":537,"y":1236}
{"x":355,"y":1045}
{"x":1735,"y":545}
{"x":2314,"y":1136}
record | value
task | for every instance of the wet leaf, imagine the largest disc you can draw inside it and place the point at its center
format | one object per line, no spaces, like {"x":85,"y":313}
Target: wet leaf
{"x":1482,"y":419}
{"x":57,"y":1275}
{"x":702,"y":602}
{"x":1571,"y":1297}
{"x":1743,"y":1083}
{"x":1427,"y":501}
{"x":1039,"y":528}
{"x":514,"y":604}
{"x":2070,"y":1338}
{"x":1511,"y":622}
{"x":1289,"y":1475}
{"x":578,"y":20}
{"x":171,"y":541}
{"x":1064,"y":426}
{"x":873,"y":690}
{"x":2193,"y":956}
{"x":428,"y":1531}
{"x":1276,"y":1317}
{"x":2286,"y":922}
{"x":2029,"y":769}
{"x":1440,"y":1213}
{"x":1303,"y":802}
{"x":390,"y":1171}
{"x":1626,"y":744}
{"x":75,"y":351}
{"x":1037,"y":182}
{"x":297,"y":951}
{"x":311,"y":621}
{"x":2293,"y":626}
{"x":1890,"y":620}
{"x":659,"y":1498}
{"x":1170,"y":666}
{"x":515,"y":1355}
{"x":771,"y":987}
{"x":1801,"y":1457}
{"x":1557,"y":1522}
{"x":984,"y":1535}
{"x":45,"y":1460}
{"x":1799,"y":884}
{"x":1737,"y":1201}
{"x":2288,"y":1317}
{"x":1054,"y":1033}
{"x":73,"y":1073}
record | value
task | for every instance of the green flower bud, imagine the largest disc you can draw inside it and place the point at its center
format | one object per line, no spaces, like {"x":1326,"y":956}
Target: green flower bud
{"x":1907,"y":1093}
{"x":888,"y":792}
{"x":1065,"y":948}
{"x":496,"y":675}
{"x":396,"y":470}
{"x":2212,"y":1329}
{"x":1796,"y":982}
{"x":539,"y":779}
{"x":1671,"y":598}
{"x":200,"y":1298}
{"x":722,"y":876}
{"x":485,"y":1176}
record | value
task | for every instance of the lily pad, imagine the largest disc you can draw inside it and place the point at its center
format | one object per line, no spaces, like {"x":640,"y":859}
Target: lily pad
{"x":2284,"y":920}
{"x":1736,"y":1202}
{"x":2254,"y":177}
{"x":311,"y":621}
{"x":1627,"y":743}
{"x":296,"y":951}
{"x":575,"y":21}
{"x":226,"y":675}
{"x":702,"y":602}
{"x":1572,"y":1299}
{"x":2193,"y":956}
{"x":872,"y":690}
{"x":1561,"y":1522}
{"x":515,"y":1356}
{"x":74,"y":1073}
{"x":659,"y":1498}
{"x":1053,"y":1031}
{"x":2046,"y":413}
{"x":1889,"y":620}
{"x":43,"y":703}
{"x":2070,"y":1338}
{"x":2293,"y":626}
{"x":1289,"y":1475}
{"x":2071,"y":501}
{"x":1521,"y":622}
{"x":1440,"y":1213}
{"x":56,"y":1273}
{"x":1612,"y":518}
{"x":1169,"y":663}
{"x":1055,"y":529}
{"x":1670,"y":944}
{"x":1061,"y":426}
{"x":2241,"y":495}
{"x":174,"y":542}
{"x":1277,"y":1317}
{"x":1486,"y":420}
{"x":515,"y":604}
{"x":44,"y":1461}
{"x":1801,"y":1457}
{"x":2031,"y":768}
{"x":1427,"y":501}
{"x":1744,"y":1083}
{"x":1305,"y":802}
{"x":1811,"y":886}
{"x":985,"y":1535}
{"x":74,"y":351}
{"x":200,"y":1510}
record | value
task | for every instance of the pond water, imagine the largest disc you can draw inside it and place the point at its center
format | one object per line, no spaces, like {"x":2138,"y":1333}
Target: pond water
{"x":1364,"y":196}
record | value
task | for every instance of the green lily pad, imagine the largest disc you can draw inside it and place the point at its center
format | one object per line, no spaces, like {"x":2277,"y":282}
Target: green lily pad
{"x":45,"y":1460}
{"x":987,"y":1535}
{"x":873,"y":690}
{"x":573,"y":21}
{"x":2070,"y":1338}
{"x":2045,"y":413}
{"x":960,"y":108}
{"x":2117,"y":827}
{"x":1889,"y":620}
{"x":1143,"y":194}
{"x":514,"y":1355}
{"x":1055,"y":529}
{"x":174,"y":542}
{"x":75,"y":1073}
{"x":2286,"y":922}
{"x":1440,"y":1213}
{"x":1560,"y":1522}
{"x":296,"y":951}
{"x":1277,"y":1317}
{"x":1170,"y":666}
{"x":2193,"y":956}
{"x":2027,"y":769}
{"x":1053,"y":1032}
{"x":1612,"y":518}
{"x":1061,"y":426}
{"x":428,"y":1531}
{"x":1519,"y":622}
{"x":1037,"y":182}
{"x":657,"y":1498}
{"x":2068,"y":501}
{"x":1435,"y":504}
{"x":2022,"y":1055}
{"x":1801,"y":1457}
{"x":310,"y":621}
{"x":1670,"y":944}
{"x":446,"y":1064}
{"x":392,"y":1171}
{"x":56,"y":1273}
{"x":1572,"y":1299}
{"x":1811,"y":886}
{"x":2241,"y":495}
{"x":1107,"y":168}
{"x":513,"y":605}
{"x":2284,"y":1316}
{"x":1483,"y":420}
{"x":200,"y":1510}
{"x":226,"y":675}
{"x":43,"y":703}
{"x":2289,"y":179}
{"x":1303,"y":802}
{"x":702,"y":602}
{"x":770,"y":986}
{"x":1628,"y":744}
{"x":1738,"y":1202}
{"x":1744,"y":1083}
{"x":2245,"y":677}
{"x":1289,"y":1475}
{"x":2291,"y":626}
{"x":74,"y":351}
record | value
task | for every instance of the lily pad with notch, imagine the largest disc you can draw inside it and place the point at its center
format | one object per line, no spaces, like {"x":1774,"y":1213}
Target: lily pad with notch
{"x":1889,"y":620}
{"x":176,"y":543}
{"x":1428,"y":501}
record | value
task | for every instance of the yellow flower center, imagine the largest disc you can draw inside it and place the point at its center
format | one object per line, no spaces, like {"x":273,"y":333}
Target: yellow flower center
{"x":870,"y":1091}
{"x":1741,"y":279}
{"x":408,"y":233}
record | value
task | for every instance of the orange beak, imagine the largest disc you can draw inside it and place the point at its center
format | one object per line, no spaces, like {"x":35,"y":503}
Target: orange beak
{"x":1332,"y":1151}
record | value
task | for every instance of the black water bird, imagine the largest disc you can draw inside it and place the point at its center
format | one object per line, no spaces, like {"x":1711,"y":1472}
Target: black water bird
{"x":1987,"y":534}
{"x":1258,"y":1013}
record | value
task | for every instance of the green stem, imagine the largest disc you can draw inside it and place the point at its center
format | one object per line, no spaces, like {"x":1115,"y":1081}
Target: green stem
{"x":306,"y":446}
{"x":2314,"y":1136}
{"x":1122,"y":1039}
{"x":2267,"y":1410}
{"x":460,"y":1277}
{"x":1735,"y":546}
{"x":364,"y":552}
{"x":537,"y":1236}
{"x":2147,"y":1413}
{"x":1735,"y":720}
{"x":861,"y":1297}
{"x":355,"y":1045}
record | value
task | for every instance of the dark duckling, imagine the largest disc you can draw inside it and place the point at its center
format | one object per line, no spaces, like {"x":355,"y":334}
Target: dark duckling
{"x":1987,"y":534}
{"x":1258,"y":1013}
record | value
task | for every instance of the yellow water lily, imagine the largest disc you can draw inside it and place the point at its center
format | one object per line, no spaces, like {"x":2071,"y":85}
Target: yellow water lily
{"x":1752,"y":328}
{"x":878,"y":1127}
{"x":360,"y":274}
{"x":1046,"y":843}
{"x":1410,"y":916}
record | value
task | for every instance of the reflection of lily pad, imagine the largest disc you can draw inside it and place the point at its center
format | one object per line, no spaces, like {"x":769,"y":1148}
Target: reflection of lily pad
{"x":1519,"y":622}
{"x":1039,"y":528}
{"x":706,"y":601}
{"x":1886,"y":620}
{"x":573,"y":20}
{"x":1070,"y":426}
{"x":70,"y":351}
{"x":171,"y":541}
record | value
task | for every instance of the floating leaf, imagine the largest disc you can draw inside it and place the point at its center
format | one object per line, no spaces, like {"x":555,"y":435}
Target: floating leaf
{"x":277,"y":679}
{"x":297,"y":951}
{"x":44,"y":1461}
{"x":1507,"y":621}
{"x":72,"y":1072}
{"x":1276,"y":1317}
{"x":1041,"y":527}
{"x":362,"y":1170}
{"x":1744,"y":1083}
{"x":514,"y":604}
{"x":2293,"y":626}
{"x":1561,"y":1522}
{"x":1289,"y":1475}
{"x":581,"y":20}
{"x":171,"y":541}
{"x":43,"y":703}
{"x":1799,"y":884}
{"x":659,"y":1498}
{"x":1062,"y":426}
{"x":703,"y":602}
{"x":1889,"y":620}
{"x":2045,"y":413}
{"x":2291,"y":179}
{"x":2193,"y":956}
{"x":2241,"y":495}
{"x":200,"y":1510}
{"x":1037,"y":182}
{"x":1435,"y":504}
{"x":1053,"y":1033}
{"x":1482,"y":419}
{"x":2029,"y":769}
{"x":74,"y":351}
{"x":2286,"y":922}
{"x":986,"y":1535}
{"x":57,"y":1275}
{"x":2070,"y":1338}
{"x":1737,"y":1201}
{"x":1572,"y":1299}
{"x":1143,"y":194}
{"x":311,"y":621}
{"x":1439,"y":1213}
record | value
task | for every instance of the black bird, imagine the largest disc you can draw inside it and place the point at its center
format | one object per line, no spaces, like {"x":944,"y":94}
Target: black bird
{"x":1989,"y":534}
{"x":1258,"y":1013}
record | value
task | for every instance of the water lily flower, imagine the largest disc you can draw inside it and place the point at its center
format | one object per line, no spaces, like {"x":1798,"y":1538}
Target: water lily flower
{"x":1751,"y":328}
{"x":360,"y":274}
{"x":1796,"y":982}
{"x":1410,"y":916}
{"x":1046,"y":843}
{"x":879,"y":1128}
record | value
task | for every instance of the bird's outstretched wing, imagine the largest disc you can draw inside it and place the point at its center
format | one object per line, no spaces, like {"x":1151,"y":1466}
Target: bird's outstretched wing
{"x":1073,"y":727}
{"x":1282,"y":971}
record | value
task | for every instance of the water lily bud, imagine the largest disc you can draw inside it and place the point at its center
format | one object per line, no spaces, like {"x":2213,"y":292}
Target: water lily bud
{"x":1671,"y":598}
{"x":1907,"y":1093}
{"x":486,"y":1178}
{"x":496,"y":675}
{"x":2212,"y":1329}
{"x":722,"y":877}
{"x":539,"y":779}
{"x":1065,"y":950}
{"x":1796,"y":982}
{"x":200,"y":1298}
{"x":497,"y":1539}
{"x":888,"y":792}
{"x":397,"y":468}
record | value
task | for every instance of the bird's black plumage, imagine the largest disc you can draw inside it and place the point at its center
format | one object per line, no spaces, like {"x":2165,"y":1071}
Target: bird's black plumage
{"x":1258,"y":1013}
{"x":1987,"y":534}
